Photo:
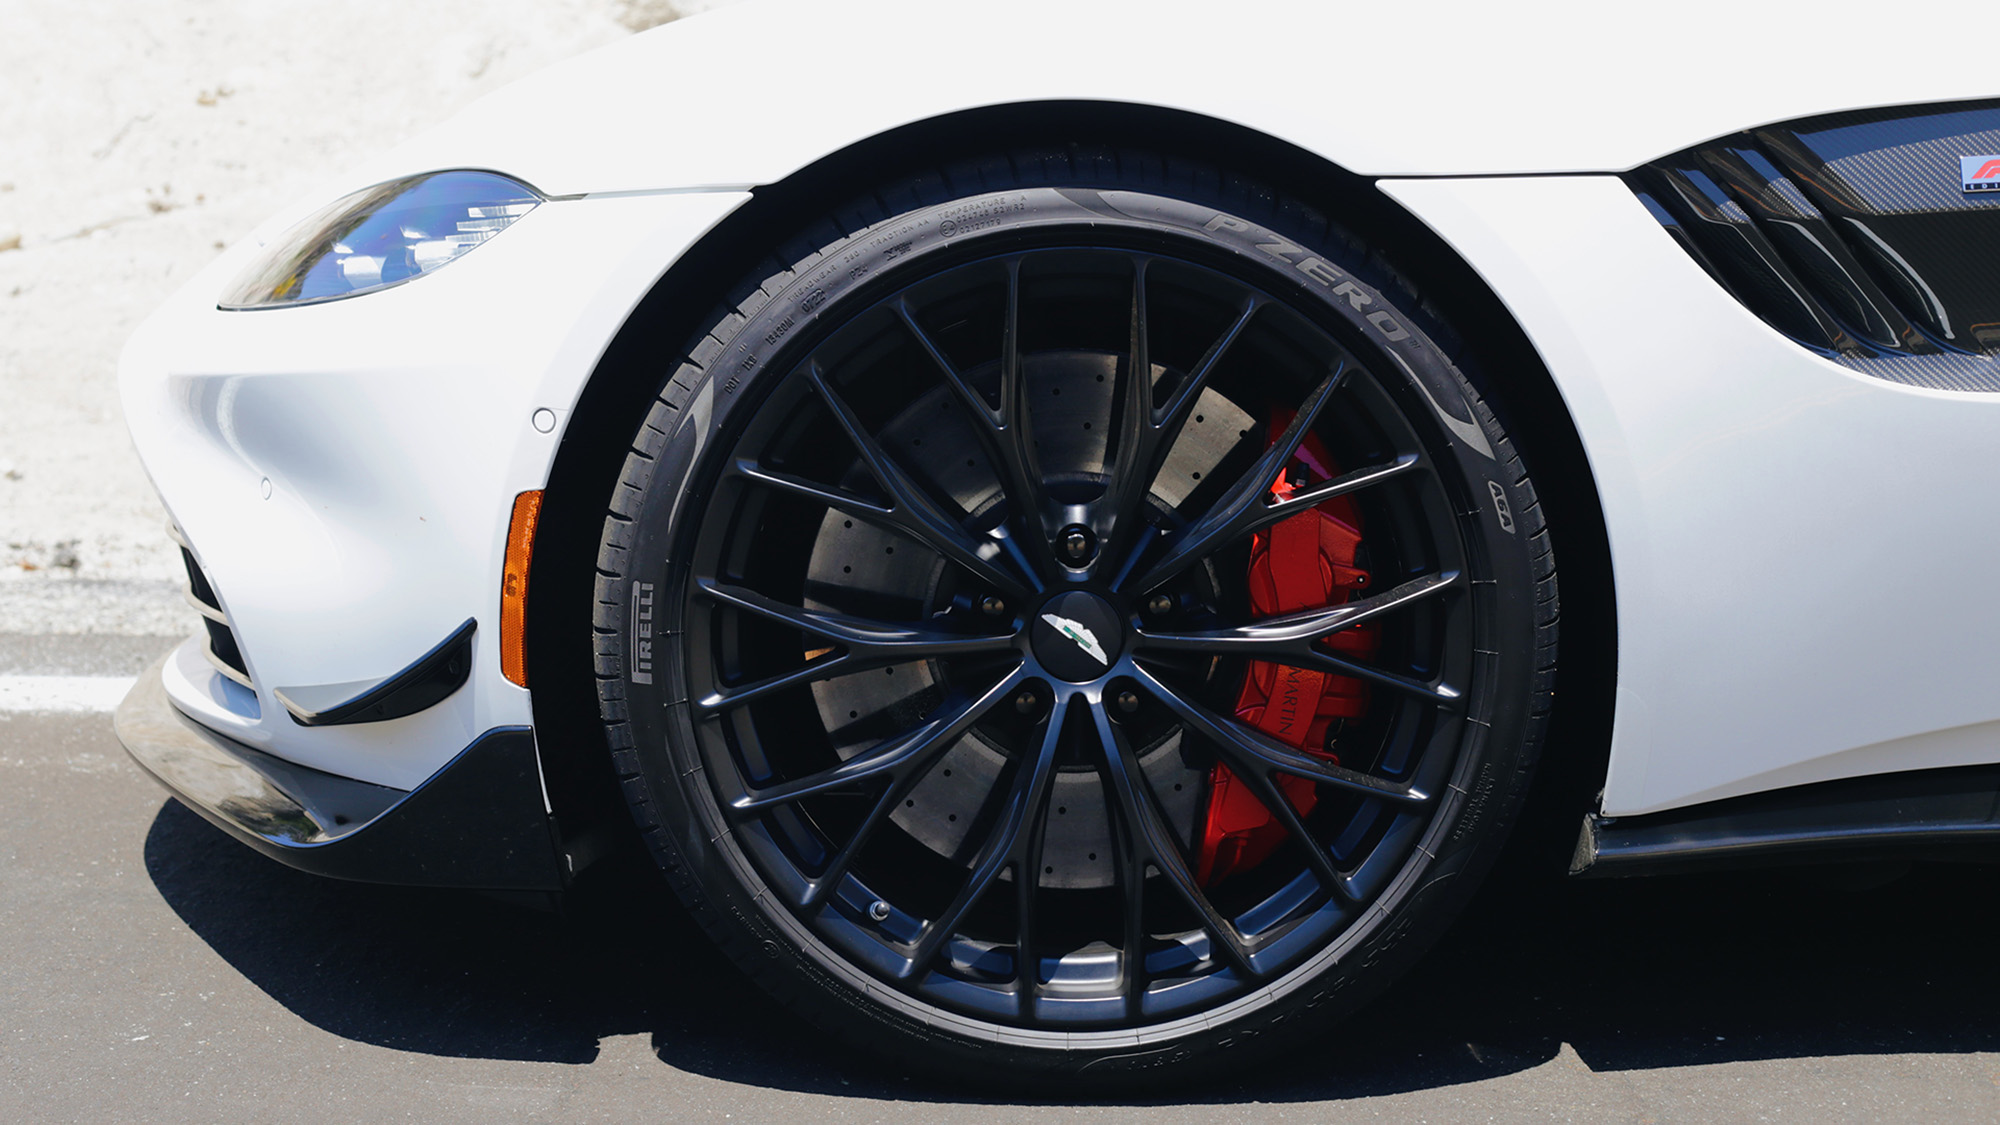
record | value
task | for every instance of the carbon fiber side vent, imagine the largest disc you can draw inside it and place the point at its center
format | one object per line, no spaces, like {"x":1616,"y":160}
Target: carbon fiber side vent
{"x":1852,"y":234}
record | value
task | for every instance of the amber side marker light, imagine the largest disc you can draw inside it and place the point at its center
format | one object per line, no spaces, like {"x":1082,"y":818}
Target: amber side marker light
{"x":514,"y":587}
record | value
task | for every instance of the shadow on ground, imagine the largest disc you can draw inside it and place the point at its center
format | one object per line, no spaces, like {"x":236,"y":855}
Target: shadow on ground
{"x":1635,"y":974}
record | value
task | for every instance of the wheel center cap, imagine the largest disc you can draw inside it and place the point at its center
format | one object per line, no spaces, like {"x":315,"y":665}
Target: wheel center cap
{"x":1077,"y":636}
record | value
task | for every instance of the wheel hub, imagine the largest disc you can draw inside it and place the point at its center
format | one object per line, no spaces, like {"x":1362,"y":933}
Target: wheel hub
{"x":1077,"y":636}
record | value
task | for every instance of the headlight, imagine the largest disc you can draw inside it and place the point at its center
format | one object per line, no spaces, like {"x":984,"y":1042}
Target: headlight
{"x":381,"y":236}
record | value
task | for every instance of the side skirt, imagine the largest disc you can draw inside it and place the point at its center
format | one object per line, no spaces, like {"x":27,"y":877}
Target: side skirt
{"x":1944,"y":814}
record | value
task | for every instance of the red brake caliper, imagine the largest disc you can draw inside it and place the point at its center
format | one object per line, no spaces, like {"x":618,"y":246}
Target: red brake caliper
{"x":1300,"y":563}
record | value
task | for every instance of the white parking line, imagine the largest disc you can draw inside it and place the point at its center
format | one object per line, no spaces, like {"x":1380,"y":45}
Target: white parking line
{"x":63,"y":693}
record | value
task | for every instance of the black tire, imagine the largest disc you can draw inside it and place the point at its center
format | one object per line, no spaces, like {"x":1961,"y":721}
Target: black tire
{"x":714,"y":538}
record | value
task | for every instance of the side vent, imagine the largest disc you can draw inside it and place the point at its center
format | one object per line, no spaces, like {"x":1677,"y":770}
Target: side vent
{"x":1852,"y":235}
{"x":220,"y":646}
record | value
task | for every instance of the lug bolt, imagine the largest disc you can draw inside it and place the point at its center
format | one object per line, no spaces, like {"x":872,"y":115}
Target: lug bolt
{"x":1159,"y":605}
{"x":992,"y":606}
{"x":1077,"y":544}
{"x":1128,"y":701}
{"x":1026,"y":702}
{"x":879,"y":911}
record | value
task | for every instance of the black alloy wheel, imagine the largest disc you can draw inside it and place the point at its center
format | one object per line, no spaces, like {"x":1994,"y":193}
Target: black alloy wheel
{"x":928,"y":616}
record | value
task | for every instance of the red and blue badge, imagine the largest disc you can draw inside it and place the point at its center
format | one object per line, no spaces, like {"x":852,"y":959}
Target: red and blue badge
{"x":1980,"y":173}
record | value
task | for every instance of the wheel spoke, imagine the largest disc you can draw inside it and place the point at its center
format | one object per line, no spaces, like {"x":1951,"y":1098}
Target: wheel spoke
{"x":1154,"y":844}
{"x":883,"y":642}
{"x":1170,"y":418}
{"x":837,"y":499}
{"x":1442,"y":694}
{"x":1148,"y":434}
{"x":1027,"y":884}
{"x":836,"y":868}
{"x":1313,"y":495}
{"x":1130,"y":858}
{"x":1317,"y":857}
{"x":889,"y":516}
{"x":1248,"y":750}
{"x":1003,"y":848}
{"x":1120,"y":522}
{"x":867,"y":644}
{"x":1004,"y":432}
{"x":1131,"y":473}
{"x":993,"y":419}
{"x":729,"y":696}
{"x":1245,"y":506}
{"x":1292,"y":638}
{"x":909,"y":753}
{"x":916,"y":512}
{"x":1017,"y":444}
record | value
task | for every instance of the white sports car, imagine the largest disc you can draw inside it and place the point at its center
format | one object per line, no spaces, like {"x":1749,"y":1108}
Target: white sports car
{"x":1047,"y":518}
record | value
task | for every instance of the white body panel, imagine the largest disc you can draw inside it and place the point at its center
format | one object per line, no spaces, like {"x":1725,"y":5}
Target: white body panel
{"x":1792,"y":542}
{"x":1799,"y":549}
{"x":750,"y":93}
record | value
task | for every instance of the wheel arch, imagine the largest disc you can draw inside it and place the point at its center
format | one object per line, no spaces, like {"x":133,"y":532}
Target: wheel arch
{"x":581,"y":783}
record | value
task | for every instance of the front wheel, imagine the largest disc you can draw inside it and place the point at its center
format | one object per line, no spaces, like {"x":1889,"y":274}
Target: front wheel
{"x":1075,"y":628}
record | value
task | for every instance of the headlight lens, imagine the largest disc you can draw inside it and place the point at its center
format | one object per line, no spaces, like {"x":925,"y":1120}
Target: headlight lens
{"x":381,"y":236}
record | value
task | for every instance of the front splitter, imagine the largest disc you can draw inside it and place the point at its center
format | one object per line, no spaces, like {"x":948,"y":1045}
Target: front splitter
{"x":479,"y":822}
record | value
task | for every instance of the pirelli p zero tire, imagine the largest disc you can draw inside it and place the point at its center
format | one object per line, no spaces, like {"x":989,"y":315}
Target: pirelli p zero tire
{"x":1072,"y":621}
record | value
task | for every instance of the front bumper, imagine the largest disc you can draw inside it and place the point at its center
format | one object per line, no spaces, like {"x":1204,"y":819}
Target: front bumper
{"x":480,"y":822}
{"x":343,"y":473}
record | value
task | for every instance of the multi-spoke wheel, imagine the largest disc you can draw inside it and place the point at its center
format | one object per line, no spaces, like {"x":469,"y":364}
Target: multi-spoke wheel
{"x":1077,"y":625}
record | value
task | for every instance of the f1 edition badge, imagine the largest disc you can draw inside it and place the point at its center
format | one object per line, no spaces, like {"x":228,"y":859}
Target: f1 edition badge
{"x":1979,"y":173}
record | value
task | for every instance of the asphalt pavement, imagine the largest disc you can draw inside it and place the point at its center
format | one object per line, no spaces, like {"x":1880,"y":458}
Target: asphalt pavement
{"x":153,"y":970}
